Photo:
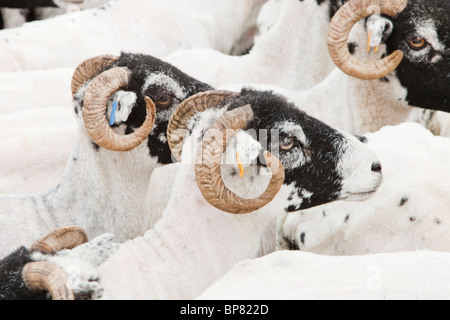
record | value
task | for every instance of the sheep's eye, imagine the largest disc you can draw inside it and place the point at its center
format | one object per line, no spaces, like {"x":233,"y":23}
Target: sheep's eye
{"x":164,"y":101}
{"x":417,"y":43}
{"x":287,"y":144}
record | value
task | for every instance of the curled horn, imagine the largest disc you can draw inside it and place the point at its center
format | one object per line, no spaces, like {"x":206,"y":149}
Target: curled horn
{"x":66,"y":238}
{"x":178,"y":123}
{"x":341,"y":24}
{"x":90,"y":68}
{"x":208,"y":166}
{"x":45,"y":276}
{"x":94,"y":112}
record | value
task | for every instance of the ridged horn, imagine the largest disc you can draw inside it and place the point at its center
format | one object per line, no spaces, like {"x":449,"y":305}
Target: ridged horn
{"x":177,"y":127}
{"x":45,"y":276}
{"x":65,"y":238}
{"x":90,"y":68}
{"x":208,"y":166}
{"x":94,"y":112}
{"x":340,"y":26}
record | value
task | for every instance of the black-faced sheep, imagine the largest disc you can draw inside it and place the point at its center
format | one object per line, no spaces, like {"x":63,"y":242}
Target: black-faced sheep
{"x":105,"y":184}
{"x":409,"y":70}
{"x":290,"y":161}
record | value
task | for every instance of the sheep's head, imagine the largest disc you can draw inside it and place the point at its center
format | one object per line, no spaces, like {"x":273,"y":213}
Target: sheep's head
{"x":417,"y":47}
{"x":145,"y":90}
{"x":24,"y":277}
{"x":261,"y":135}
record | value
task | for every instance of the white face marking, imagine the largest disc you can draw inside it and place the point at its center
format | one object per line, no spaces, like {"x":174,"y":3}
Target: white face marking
{"x":296,"y":157}
{"x":355,"y":168}
{"x":427,"y":30}
{"x":165,"y":81}
{"x":292,"y":129}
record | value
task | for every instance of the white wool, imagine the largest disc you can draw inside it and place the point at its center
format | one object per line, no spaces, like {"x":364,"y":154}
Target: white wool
{"x":408,"y":212}
{"x":191,"y":230}
{"x":347,"y":103}
{"x":289,"y":50}
{"x":36,"y":145}
{"x":215,"y":23}
{"x":154,"y":27}
{"x":293,"y":275}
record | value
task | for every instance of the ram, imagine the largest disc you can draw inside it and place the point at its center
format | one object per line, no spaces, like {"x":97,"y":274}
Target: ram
{"x":412,"y":74}
{"x":410,"y":210}
{"x":289,"y":50}
{"x":293,"y":275}
{"x":153,"y":27}
{"x":105,"y":183}
{"x":293,"y":162}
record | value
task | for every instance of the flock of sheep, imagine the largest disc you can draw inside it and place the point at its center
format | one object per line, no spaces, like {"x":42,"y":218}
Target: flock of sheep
{"x":225,"y":149}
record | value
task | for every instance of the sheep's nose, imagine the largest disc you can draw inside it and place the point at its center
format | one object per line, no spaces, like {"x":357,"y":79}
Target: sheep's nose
{"x":376,"y":167}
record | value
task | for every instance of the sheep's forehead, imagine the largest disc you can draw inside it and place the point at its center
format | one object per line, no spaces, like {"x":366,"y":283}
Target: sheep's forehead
{"x":165,"y":81}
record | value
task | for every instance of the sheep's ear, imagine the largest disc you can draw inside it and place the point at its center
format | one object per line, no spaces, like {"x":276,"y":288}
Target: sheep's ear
{"x":178,"y":123}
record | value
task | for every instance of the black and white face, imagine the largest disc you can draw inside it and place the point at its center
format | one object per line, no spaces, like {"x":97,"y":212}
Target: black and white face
{"x":164,"y":84}
{"x":321,"y":164}
{"x":422,"y":32}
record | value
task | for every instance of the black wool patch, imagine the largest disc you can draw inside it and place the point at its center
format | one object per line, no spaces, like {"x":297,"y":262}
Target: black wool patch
{"x":427,"y":82}
{"x":12,"y":286}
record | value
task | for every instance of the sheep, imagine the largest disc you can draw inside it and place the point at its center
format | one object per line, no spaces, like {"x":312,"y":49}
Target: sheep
{"x":288,"y":51}
{"x":408,"y":212}
{"x":21,"y":91}
{"x":367,"y":100}
{"x":294,"y":275}
{"x":105,"y":183}
{"x":70,"y":238}
{"x":35,"y":147}
{"x":26,"y":89}
{"x":153,"y":27}
{"x":31,"y":116}
{"x":303,"y":163}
